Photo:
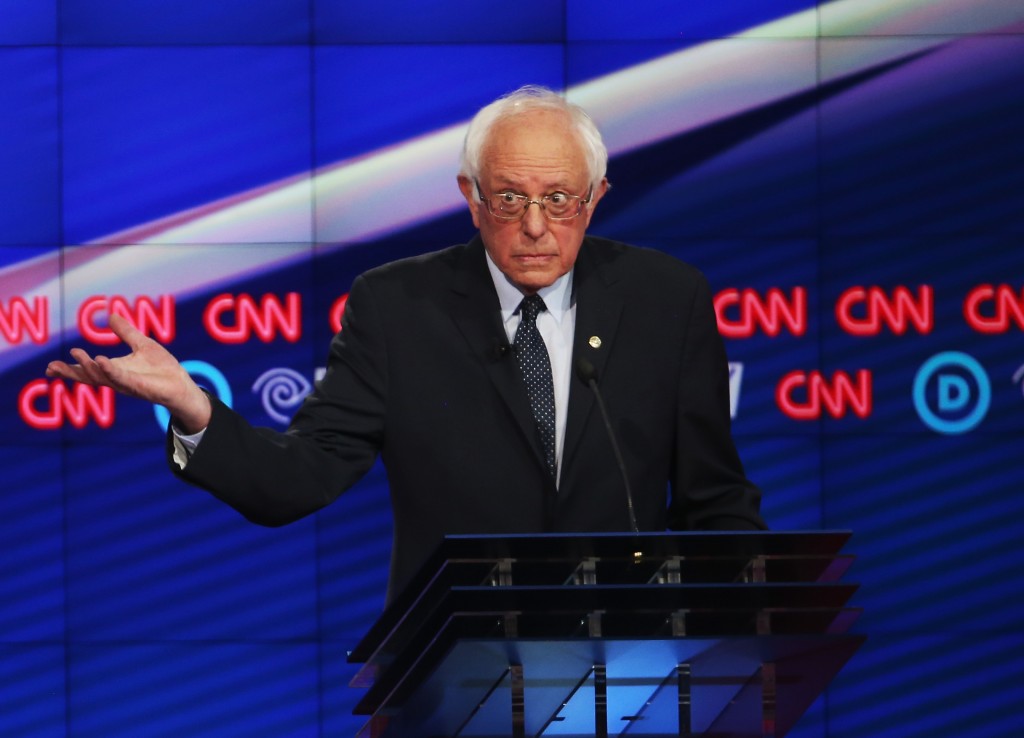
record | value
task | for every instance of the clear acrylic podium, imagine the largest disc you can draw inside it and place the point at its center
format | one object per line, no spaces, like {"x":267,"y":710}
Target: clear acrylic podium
{"x":660,"y":634}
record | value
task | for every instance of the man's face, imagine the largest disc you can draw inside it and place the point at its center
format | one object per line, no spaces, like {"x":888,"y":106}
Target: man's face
{"x":532,"y":154}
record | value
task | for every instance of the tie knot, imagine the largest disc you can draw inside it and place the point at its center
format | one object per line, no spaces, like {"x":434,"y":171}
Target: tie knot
{"x":532,"y":306}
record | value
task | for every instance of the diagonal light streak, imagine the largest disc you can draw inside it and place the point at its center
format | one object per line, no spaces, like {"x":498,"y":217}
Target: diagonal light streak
{"x":635,"y":107}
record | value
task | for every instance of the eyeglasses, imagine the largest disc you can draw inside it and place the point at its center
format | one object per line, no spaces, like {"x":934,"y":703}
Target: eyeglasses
{"x":507,"y":205}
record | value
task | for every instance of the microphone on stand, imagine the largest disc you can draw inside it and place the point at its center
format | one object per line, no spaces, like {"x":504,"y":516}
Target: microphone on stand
{"x":588,"y":375}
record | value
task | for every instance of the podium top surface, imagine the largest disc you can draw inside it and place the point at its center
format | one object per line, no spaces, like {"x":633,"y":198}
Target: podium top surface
{"x":560,"y":546}
{"x":547,"y":559}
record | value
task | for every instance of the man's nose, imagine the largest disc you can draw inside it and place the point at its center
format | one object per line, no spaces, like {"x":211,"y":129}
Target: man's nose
{"x":534,"y":223}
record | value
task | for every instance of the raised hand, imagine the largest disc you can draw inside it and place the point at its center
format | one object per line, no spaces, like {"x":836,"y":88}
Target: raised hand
{"x":149,"y":373}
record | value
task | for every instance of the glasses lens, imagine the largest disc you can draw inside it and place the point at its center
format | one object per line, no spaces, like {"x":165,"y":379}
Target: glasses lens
{"x":561,"y":205}
{"x":507,"y":203}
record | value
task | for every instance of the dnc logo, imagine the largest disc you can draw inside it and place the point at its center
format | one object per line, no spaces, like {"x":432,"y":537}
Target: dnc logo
{"x":952,"y":393}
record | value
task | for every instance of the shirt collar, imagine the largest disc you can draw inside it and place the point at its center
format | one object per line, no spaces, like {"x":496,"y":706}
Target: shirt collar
{"x":557,"y":296}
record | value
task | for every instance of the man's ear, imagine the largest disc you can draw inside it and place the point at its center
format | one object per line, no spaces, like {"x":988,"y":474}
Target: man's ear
{"x":469,"y":192}
{"x":595,"y":198}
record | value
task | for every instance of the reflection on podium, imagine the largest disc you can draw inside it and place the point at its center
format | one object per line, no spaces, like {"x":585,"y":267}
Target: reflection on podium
{"x":663,"y":634}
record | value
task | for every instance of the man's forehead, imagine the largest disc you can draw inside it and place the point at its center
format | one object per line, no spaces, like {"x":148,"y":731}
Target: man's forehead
{"x":552,"y":152}
{"x":556,"y":179}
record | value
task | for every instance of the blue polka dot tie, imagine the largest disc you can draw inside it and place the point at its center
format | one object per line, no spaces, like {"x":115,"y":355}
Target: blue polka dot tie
{"x":532,"y":356}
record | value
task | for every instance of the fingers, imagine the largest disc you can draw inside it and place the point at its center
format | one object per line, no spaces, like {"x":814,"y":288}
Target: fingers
{"x":63,"y":370}
{"x":123,"y":329}
{"x":98,"y":372}
{"x":149,"y":372}
{"x":83,"y":371}
{"x":88,"y":368}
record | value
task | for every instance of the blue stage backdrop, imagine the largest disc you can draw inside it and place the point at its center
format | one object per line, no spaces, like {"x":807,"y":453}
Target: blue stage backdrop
{"x":849,"y":175}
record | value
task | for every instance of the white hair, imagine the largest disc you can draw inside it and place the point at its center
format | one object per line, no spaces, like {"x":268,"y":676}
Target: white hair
{"x":526,"y":99}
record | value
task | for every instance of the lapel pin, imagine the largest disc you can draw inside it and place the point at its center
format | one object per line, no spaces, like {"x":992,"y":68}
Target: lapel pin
{"x":595,"y":342}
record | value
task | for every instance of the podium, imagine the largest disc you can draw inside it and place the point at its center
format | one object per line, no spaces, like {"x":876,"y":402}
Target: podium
{"x":651,"y":634}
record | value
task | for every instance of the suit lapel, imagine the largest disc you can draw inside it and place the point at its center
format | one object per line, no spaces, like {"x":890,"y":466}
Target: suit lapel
{"x":598,"y":309}
{"x":477,"y":313}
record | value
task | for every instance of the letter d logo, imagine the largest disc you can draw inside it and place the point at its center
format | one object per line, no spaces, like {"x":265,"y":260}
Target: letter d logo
{"x":959,"y":381}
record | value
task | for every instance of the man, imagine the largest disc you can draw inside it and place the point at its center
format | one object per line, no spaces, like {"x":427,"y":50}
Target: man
{"x":475,"y":403}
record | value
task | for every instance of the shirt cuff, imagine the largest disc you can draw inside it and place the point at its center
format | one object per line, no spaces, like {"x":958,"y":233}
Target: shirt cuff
{"x":185,"y":445}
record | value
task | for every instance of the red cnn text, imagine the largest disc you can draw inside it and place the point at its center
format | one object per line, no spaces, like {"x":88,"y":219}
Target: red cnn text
{"x":742,"y":313}
{"x":868,"y":311}
{"x":155,"y":318}
{"x":47,"y":405}
{"x":808,"y":395}
{"x":235,"y":319}
{"x":994,"y":308}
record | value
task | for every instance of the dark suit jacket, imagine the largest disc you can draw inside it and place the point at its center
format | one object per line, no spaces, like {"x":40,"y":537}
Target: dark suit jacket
{"x":419,"y":374}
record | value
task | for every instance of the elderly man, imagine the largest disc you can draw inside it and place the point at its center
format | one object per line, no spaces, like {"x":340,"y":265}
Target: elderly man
{"x":471,"y":371}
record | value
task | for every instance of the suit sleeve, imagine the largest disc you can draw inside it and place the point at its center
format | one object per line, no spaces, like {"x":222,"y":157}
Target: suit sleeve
{"x":710,"y":489}
{"x":273,"y":477}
